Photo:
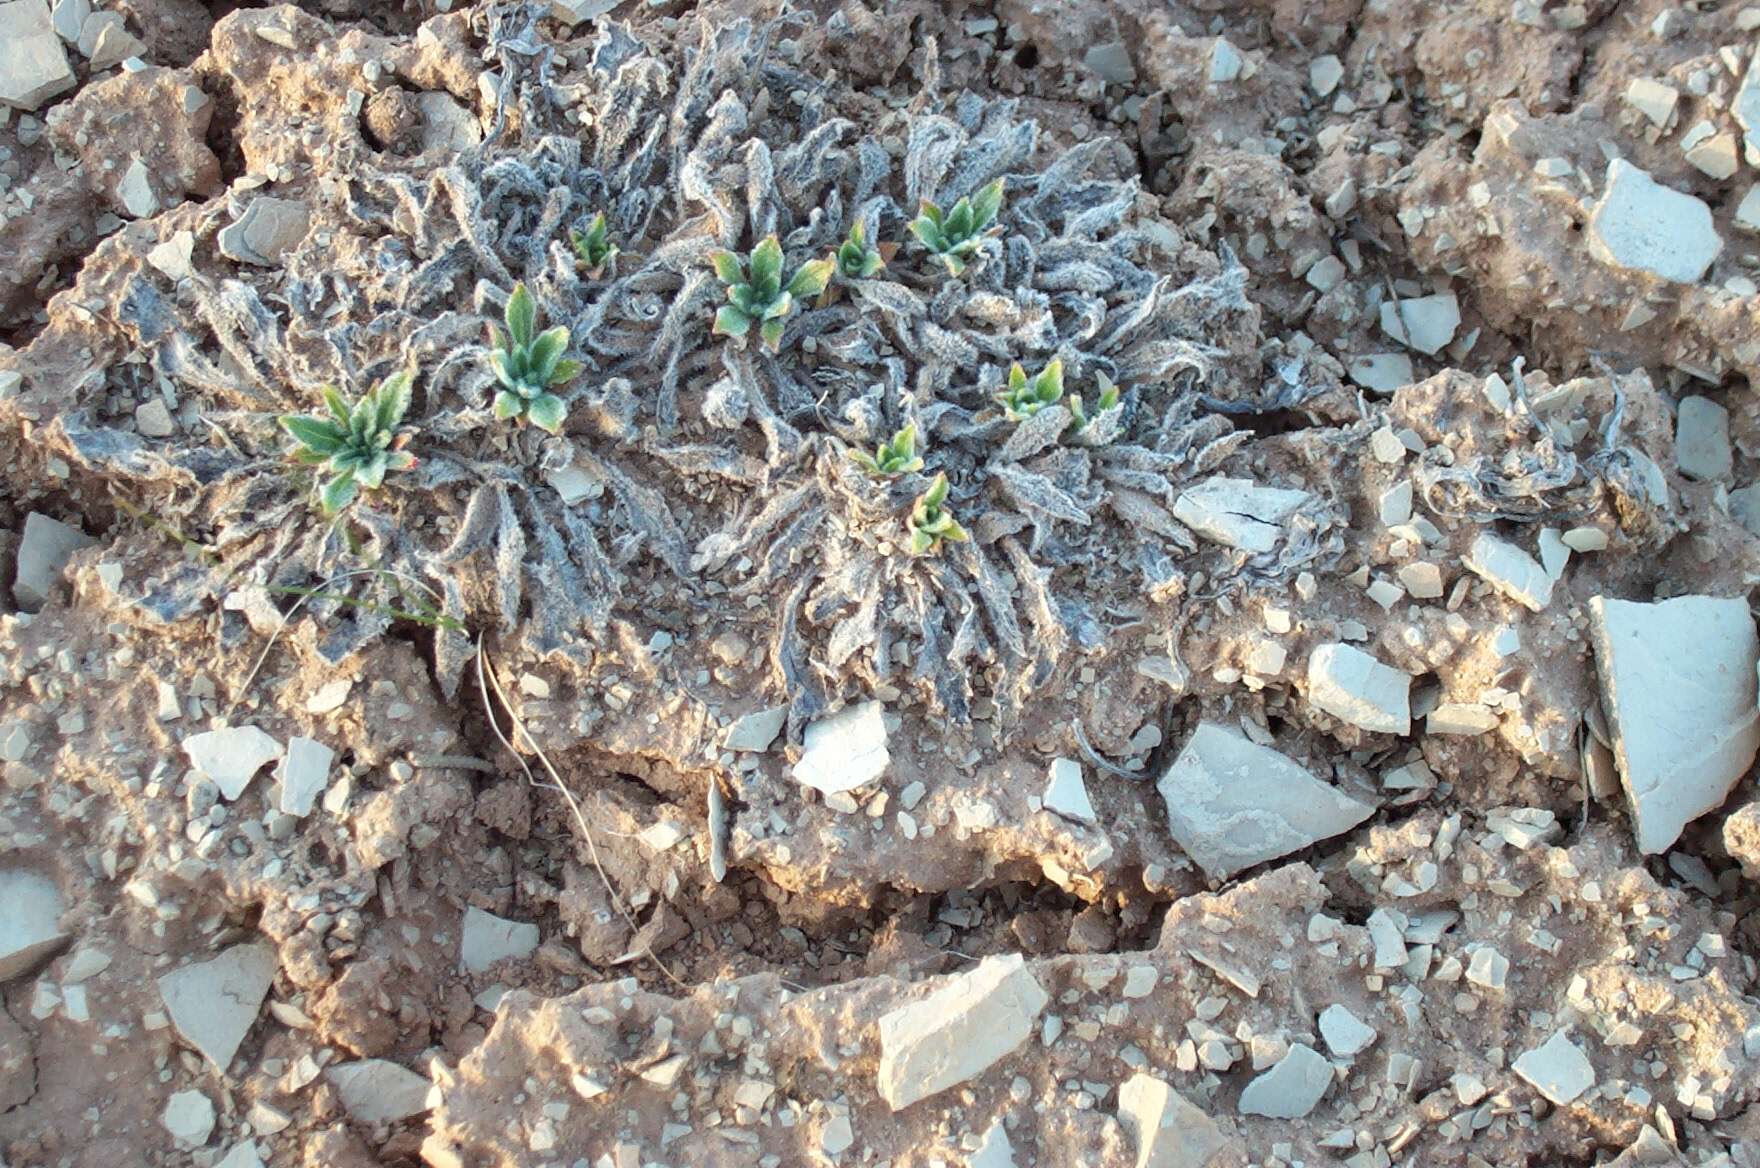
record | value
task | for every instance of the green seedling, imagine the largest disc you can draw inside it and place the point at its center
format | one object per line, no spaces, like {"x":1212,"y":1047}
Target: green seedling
{"x":528,"y":366}
{"x":856,"y":260}
{"x":1108,"y":401}
{"x":956,"y":236}
{"x":1026,"y":396}
{"x":357,"y":444}
{"x":761,"y":298}
{"x":593,"y":248}
{"x":898,"y":455}
{"x":931,"y":523}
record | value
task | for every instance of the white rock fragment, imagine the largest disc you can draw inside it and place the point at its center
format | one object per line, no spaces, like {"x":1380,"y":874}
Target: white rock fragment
{"x":33,"y":61}
{"x":1748,"y":210}
{"x":994,"y":1149}
{"x":1461,"y":718}
{"x":1678,"y":685}
{"x":1167,"y":1129}
{"x":1556,"y":1069}
{"x":1640,"y":224}
{"x":1290,"y":1089}
{"x":189,"y":1117}
{"x":231,"y":756}
{"x":1345,"y":1034}
{"x":267,"y":231}
{"x":1653,"y":99}
{"x":1111,"y":62}
{"x":1238,"y":513}
{"x":43,"y":551}
{"x":69,"y":17}
{"x":213,"y":1003}
{"x":112,"y":45}
{"x":487,"y":938}
{"x":329,"y":697}
{"x":1225,"y":61}
{"x":243,"y":1155}
{"x":1232,"y":803}
{"x":446,"y":124}
{"x":1716,"y":156}
{"x":1488,"y":968}
{"x":845,"y":751}
{"x":30,"y":921}
{"x":1701,"y":440}
{"x":1426,"y":323}
{"x":1381,"y":372}
{"x":1395,"y":504}
{"x":1066,"y":794}
{"x":175,"y":257}
{"x":304,"y":774}
{"x":1324,"y":74}
{"x":573,"y":12}
{"x":1746,"y":108}
{"x":153,"y":419}
{"x":1510,"y":570}
{"x":136,"y":191}
{"x":754,"y":732}
{"x":377,"y":1091}
{"x":1352,"y":686}
{"x":973,"y":1021}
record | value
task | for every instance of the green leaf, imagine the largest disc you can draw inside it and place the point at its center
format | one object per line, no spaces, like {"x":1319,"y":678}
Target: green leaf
{"x":522,"y":315}
{"x":937,"y":492}
{"x":812,"y":278}
{"x":858,"y":235}
{"x":399,"y":460}
{"x":929,"y":211}
{"x":371,"y":474}
{"x":731,"y":322}
{"x":767,"y":268}
{"x":315,"y":434}
{"x":393,"y":398}
{"x":547,"y":412}
{"x":864,"y":460}
{"x":338,"y":493}
{"x":337,"y":404}
{"x":546,"y":351}
{"x":727,"y":268}
{"x":873,"y":263}
{"x":959,"y":224}
{"x":566,"y":370}
{"x":771,"y":330}
{"x":509,"y":405}
{"x":361,"y":420}
{"x":954,"y":532}
{"x":985,"y":204}
{"x":921,"y":541}
{"x":779,"y":307}
{"x":955,"y":265}
{"x":929,"y":234}
{"x":1051,"y":381}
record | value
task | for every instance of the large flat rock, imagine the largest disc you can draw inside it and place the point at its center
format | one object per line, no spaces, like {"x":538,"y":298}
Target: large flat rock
{"x":231,"y":755}
{"x":1352,"y":686}
{"x":1641,"y":225}
{"x":213,"y":1003}
{"x":377,"y":1091}
{"x":973,"y":1021}
{"x":43,"y":551}
{"x":844,"y":751}
{"x":1678,"y":685}
{"x":30,"y":921}
{"x":1238,"y":513}
{"x":1232,"y":803}
{"x":1169,"y":1130}
{"x":33,"y":62}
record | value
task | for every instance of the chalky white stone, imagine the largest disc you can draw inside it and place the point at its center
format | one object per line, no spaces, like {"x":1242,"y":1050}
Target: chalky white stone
{"x":845,"y":751}
{"x":1352,"y":686}
{"x":1640,"y":224}
{"x":968,"y":1024}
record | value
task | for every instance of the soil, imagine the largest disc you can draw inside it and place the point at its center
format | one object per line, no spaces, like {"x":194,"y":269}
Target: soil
{"x":527,"y":651}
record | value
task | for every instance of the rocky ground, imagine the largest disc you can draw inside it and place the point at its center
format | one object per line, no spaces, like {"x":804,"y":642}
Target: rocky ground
{"x":1341,"y":753}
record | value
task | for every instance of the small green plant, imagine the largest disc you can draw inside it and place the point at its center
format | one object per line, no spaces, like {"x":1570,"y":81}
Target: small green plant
{"x":593,"y":248}
{"x":897,"y":455}
{"x":1026,"y":396}
{"x":761,"y":297}
{"x":931,"y":523}
{"x":955,"y":236}
{"x":528,"y":365}
{"x":856,"y":260}
{"x":1108,"y":401}
{"x":357,"y":443}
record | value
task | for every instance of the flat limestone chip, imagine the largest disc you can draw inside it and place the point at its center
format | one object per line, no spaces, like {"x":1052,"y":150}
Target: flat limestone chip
{"x":1237,"y":512}
{"x":43,"y":551}
{"x":377,"y":1091}
{"x":231,"y":756}
{"x":33,"y":61}
{"x":1701,"y":440}
{"x":1381,"y":372}
{"x":1510,"y":570}
{"x":1290,"y":1089}
{"x":488,"y":938}
{"x":756,"y":731}
{"x":1351,"y":685}
{"x":1232,"y":803}
{"x":1638,"y":223}
{"x":268,"y":230}
{"x":845,"y":751}
{"x":1065,"y":792}
{"x":304,"y":775}
{"x":1746,"y":107}
{"x":30,"y":921}
{"x":1557,"y":1069}
{"x":1169,"y":1131}
{"x":189,"y":1117}
{"x":1346,"y":1035}
{"x":1425,"y":323}
{"x":1678,"y":685}
{"x":573,"y":12}
{"x":974,"y":1020}
{"x":213,"y":1003}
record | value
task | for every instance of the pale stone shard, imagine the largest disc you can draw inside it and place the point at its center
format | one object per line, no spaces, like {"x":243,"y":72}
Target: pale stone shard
{"x":1746,"y":108}
{"x":175,"y":257}
{"x":1111,"y":62}
{"x":1701,"y":440}
{"x":845,"y":751}
{"x":43,"y":551}
{"x":1346,"y":1035}
{"x":189,"y":1117}
{"x":1748,"y":210}
{"x":446,"y":124}
{"x":1351,"y":685}
{"x":1510,"y":570}
{"x":1168,"y":1130}
{"x":1639,"y":223}
{"x":488,"y":938}
{"x":1425,"y":323}
{"x":1324,"y":74}
{"x":304,"y":775}
{"x":1066,"y":794}
{"x":213,"y":1003}
{"x":1678,"y":684}
{"x":1557,"y":1069}
{"x":994,"y":1150}
{"x":243,"y":1155}
{"x":754,"y":732}
{"x":231,"y":756}
{"x":33,"y":61}
{"x":1232,"y":803}
{"x":1237,"y":512}
{"x":1461,"y":718}
{"x":268,"y":230}
{"x":1292,"y":1088}
{"x":136,"y":191}
{"x":1653,"y":99}
{"x":575,"y":11}
{"x":376,"y":1091}
{"x":973,"y":1021}
{"x":30,"y":922}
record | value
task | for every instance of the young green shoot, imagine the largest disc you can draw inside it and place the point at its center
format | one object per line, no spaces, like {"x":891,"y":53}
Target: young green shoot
{"x":593,"y":248}
{"x":757,"y":295}
{"x":954,"y":237}
{"x":856,"y":259}
{"x":931,"y":523}
{"x":529,"y":364}
{"x":897,"y":455}
{"x":1079,"y":410}
{"x":356,"y":444}
{"x":1026,"y":396}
